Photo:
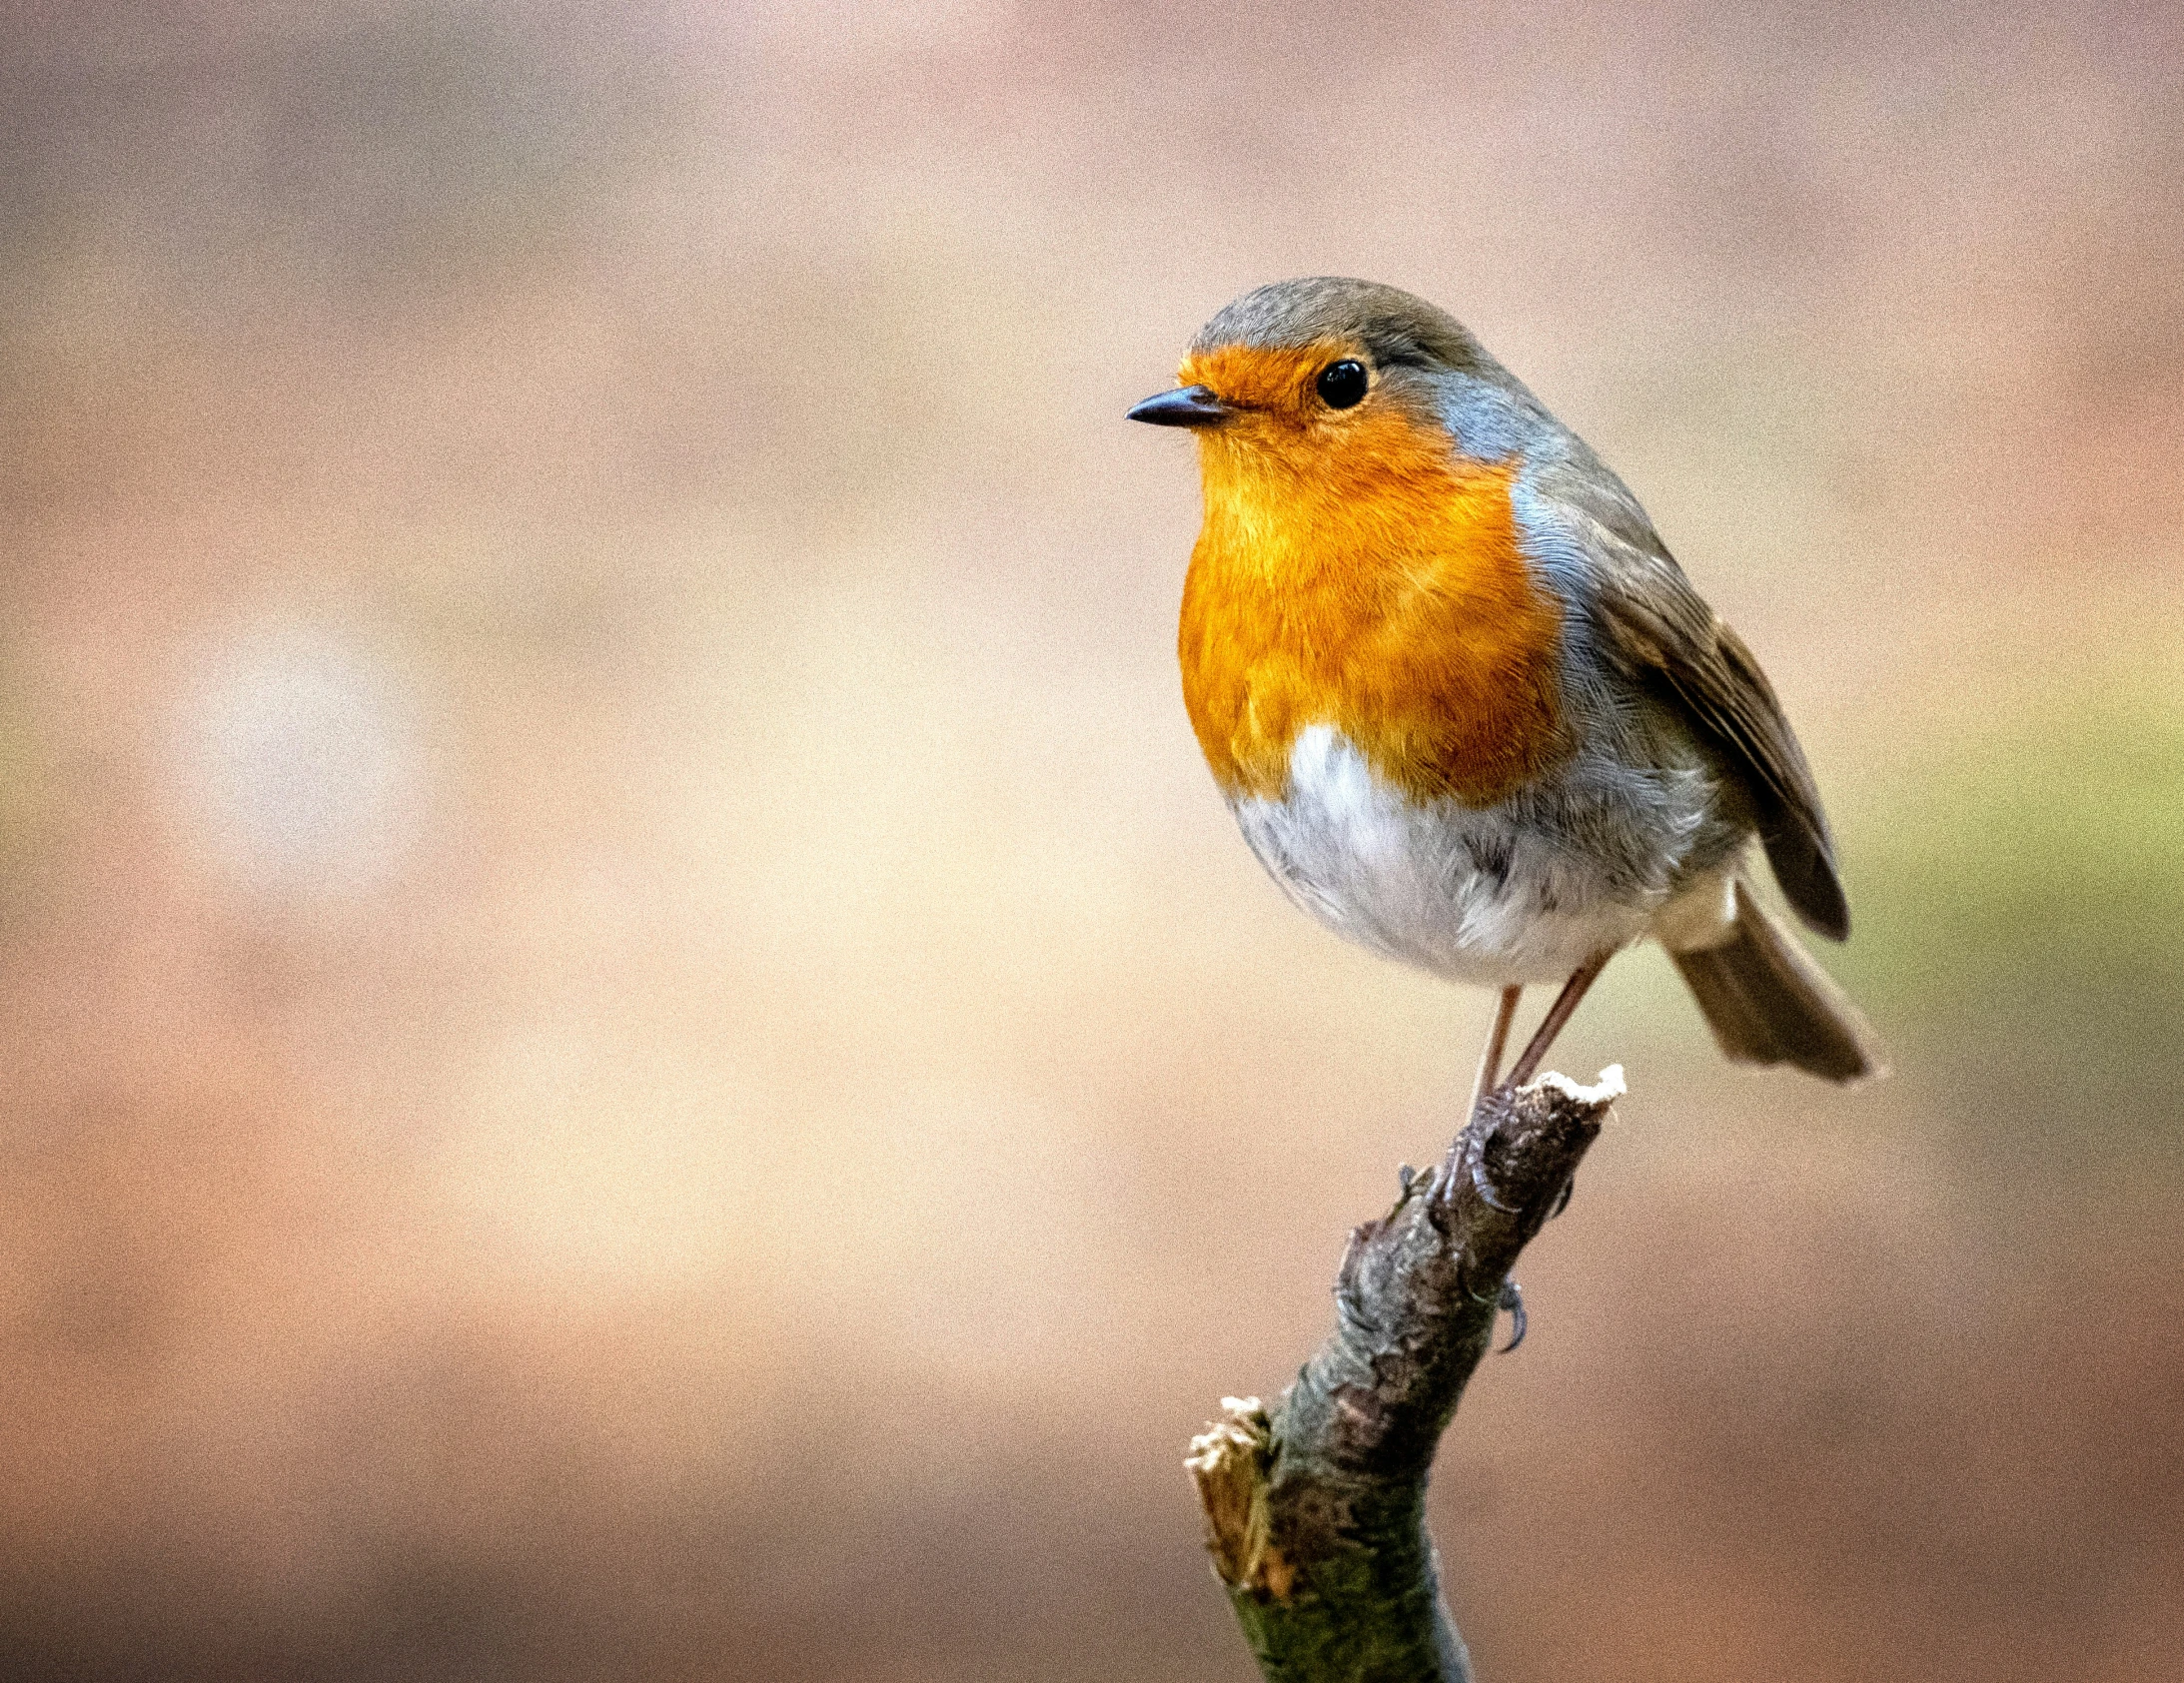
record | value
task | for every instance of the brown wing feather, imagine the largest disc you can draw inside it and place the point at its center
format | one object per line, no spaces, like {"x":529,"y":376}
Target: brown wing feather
{"x":1666,"y":638}
{"x":1658,"y":624}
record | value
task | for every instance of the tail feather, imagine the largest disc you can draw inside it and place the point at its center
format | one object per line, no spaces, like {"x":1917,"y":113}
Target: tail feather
{"x":1768,"y":1002}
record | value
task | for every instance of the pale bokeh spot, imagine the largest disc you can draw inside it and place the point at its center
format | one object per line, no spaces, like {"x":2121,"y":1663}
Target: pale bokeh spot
{"x":301,"y":760}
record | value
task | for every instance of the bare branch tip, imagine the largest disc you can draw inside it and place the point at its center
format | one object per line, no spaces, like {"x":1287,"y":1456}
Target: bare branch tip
{"x":1606,"y":1088}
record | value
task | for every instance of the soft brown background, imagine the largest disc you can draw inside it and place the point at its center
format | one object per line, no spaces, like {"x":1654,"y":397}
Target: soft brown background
{"x":635,"y":1044}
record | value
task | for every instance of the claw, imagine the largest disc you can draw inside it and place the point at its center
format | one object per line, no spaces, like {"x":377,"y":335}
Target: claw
{"x":1484,"y":1187}
{"x":1513,"y":1300}
{"x":1562,"y":1198}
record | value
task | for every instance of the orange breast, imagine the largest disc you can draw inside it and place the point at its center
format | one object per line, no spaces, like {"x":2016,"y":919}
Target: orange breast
{"x":1371,"y":580}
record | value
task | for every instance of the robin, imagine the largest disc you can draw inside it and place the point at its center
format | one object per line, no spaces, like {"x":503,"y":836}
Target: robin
{"x":1463,"y":703}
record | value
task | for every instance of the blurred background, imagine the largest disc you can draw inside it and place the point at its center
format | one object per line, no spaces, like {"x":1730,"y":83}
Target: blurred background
{"x":636,"y":1044}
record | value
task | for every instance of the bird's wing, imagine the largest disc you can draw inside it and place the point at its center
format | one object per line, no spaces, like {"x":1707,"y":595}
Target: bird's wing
{"x":1658,"y":629}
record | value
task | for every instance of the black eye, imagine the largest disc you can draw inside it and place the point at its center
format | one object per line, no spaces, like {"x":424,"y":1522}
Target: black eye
{"x":1342,"y":384}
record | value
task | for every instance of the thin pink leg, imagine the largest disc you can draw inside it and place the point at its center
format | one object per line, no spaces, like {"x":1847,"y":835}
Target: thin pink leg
{"x":1489,"y":1062}
{"x":1559,"y":1013}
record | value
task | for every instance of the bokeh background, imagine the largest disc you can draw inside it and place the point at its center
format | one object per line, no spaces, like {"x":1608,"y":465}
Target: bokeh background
{"x":635,"y":1043}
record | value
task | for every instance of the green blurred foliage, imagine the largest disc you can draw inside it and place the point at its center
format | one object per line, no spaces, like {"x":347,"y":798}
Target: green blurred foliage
{"x":2021,"y":902}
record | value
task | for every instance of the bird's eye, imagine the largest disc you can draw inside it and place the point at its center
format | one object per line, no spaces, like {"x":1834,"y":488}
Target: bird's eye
{"x":1342,"y":384}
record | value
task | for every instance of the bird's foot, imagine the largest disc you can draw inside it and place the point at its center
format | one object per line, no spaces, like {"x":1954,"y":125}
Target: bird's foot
{"x":1484,"y":1186}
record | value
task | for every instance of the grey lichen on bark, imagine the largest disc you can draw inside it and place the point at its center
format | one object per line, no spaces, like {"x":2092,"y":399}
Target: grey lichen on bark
{"x":1316,"y":1512}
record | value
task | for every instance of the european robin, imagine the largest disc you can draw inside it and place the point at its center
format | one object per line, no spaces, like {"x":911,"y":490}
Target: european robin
{"x":1463,"y":703}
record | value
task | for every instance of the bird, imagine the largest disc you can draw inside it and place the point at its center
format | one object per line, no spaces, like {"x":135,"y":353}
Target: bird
{"x":1463,"y":703}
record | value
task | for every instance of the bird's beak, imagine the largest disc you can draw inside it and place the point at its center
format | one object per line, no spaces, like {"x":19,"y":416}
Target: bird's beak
{"x":1186,"y":405}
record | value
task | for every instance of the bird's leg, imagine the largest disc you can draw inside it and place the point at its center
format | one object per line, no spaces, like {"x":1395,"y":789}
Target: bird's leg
{"x":1489,"y":1068}
{"x":1566,"y":1004}
{"x":1490,"y":1062}
{"x":1544,"y":1037}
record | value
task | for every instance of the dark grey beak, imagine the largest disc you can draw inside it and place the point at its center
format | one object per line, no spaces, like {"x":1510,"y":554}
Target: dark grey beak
{"x":1186,"y":405}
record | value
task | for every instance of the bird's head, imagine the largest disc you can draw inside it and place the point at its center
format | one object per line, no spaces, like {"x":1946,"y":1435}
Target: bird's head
{"x":1321,"y":383}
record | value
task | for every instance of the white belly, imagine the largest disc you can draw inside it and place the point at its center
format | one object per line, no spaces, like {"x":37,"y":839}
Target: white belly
{"x":1519,"y":893}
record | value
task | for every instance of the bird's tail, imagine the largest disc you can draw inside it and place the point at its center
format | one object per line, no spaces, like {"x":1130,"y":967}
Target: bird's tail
{"x":1768,"y":1002}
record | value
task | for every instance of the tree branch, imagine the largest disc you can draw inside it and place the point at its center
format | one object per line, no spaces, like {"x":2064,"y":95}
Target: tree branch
{"x":1316,"y":1515}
